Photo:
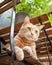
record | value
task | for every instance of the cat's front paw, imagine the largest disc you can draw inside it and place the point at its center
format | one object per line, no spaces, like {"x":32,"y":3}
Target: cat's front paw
{"x":28,"y":49}
{"x":34,"y":57}
{"x":19,"y":53}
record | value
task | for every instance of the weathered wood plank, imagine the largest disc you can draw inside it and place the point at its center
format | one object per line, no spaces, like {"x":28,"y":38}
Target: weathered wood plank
{"x":8,"y":7}
{"x":49,"y":32}
{"x":41,"y":41}
{"x":40,"y":50}
{"x":4,"y":2}
{"x":44,"y":54}
{"x":45,"y":60}
{"x":43,"y":44}
{"x":8,"y":60}
{"x":18,"y":25}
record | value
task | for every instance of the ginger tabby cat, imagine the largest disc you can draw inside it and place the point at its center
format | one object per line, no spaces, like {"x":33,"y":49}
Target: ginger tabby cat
{"x":25,"y":39}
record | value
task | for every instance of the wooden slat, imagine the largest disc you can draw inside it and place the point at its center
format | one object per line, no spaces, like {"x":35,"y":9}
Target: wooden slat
{"x":43,"y":45}
{"x":18,"y":25}
{"x":49,"y":32}
{"x":40,"y":41}
{"x":45,"y":60}
{"x":37,"y":42}
{"x":9,"y":61}
{"x":44,"y":18}
{"x":5,"y":30}
{"x":6,"y":37}
{"x":8,"y":41}
{"x":8,"y":6}
{"x":38,"y":46}
{"x":40,"y":50}
{"x":4,"y":2}
{"x":30,"y":60}
{"x":5,"y":60}
{"x":43,"y":53}
{"x":42,"y":60}
{"x":47,"y":25}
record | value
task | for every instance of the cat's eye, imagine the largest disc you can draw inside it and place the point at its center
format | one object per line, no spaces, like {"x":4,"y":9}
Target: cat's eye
{"x":36,"y":31}
{"x":29,"y":28}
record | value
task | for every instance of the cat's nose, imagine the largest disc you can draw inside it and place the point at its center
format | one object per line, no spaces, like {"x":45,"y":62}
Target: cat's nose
{"x":31,"y":33}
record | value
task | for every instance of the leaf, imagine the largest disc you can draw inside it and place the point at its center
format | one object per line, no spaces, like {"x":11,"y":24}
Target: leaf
{"x":9,"y":17}
{"x":18,"y":7}
{"x":33,"y":8}
{"x":50,"y":18}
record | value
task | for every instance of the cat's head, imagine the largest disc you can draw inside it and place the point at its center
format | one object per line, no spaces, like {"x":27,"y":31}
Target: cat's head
{"x":29,"y":31}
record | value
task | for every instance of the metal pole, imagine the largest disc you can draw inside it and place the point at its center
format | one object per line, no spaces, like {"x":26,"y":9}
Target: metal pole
{"x":12,"y":38}
{"x":0,"y":47}
{"x":44,"y":30}
{"x":45,"y":40}
{"x":12,"y":34}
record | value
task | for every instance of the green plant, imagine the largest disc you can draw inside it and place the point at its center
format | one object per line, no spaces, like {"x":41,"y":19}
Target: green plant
{"x":50,"y":18}
{"x":33,"y":7}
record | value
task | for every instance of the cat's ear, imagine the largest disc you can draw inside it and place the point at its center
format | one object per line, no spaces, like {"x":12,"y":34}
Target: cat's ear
{"x":40,"y":27}
{"x":26,"y":20}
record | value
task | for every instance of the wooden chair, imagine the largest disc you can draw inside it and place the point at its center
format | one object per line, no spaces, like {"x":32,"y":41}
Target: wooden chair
{"x":41,"y":44}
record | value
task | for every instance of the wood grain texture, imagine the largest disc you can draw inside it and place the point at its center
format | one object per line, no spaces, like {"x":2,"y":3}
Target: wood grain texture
{"x":41,"y":46}
{"x":42,"y":36}
{"x":4,"y":2}
{"x":8,"y":6}
{"x":18,"y":25}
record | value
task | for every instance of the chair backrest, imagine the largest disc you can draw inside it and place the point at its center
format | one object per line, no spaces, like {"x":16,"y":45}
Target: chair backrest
{"x":41,"y":46}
